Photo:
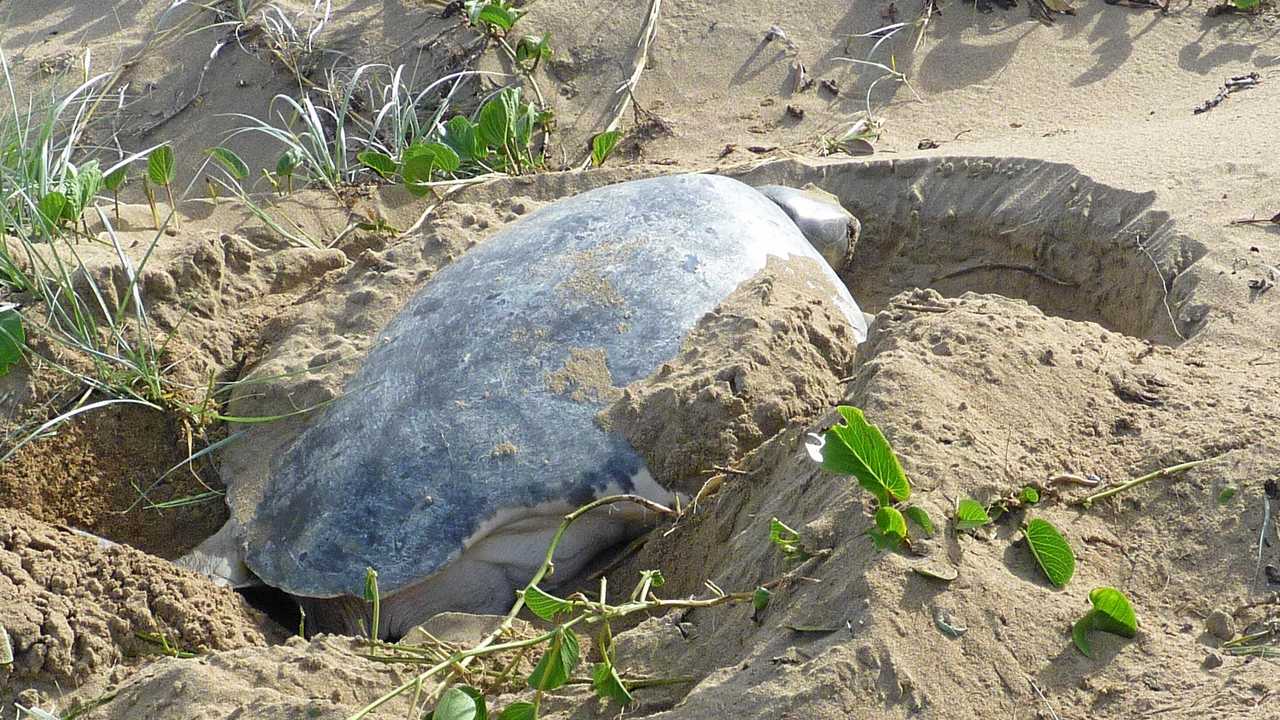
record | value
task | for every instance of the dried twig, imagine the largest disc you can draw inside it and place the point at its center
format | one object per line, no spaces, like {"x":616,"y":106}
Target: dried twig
{"x":626,"y":90}
{"x":1029,"y":269}
{"x":1164,"y":287}
{"x":1088,"y":501}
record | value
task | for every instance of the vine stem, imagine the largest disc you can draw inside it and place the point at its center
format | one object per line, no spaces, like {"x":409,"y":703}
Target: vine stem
{"x":1088,"y":501}
{"x":487,"y":646}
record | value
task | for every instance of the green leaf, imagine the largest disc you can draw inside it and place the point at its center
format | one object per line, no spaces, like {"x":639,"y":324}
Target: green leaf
{"x":12,"y":339}
{"x":787,"y":541}
{"x":1111,"y":613}
{"x":1051,"y":550}
{"x":380,"y":163}
{"x":655,"y":577}
{"x":494,"y":125}
{"x":288,"y":162}
{"x":160,"y":165}
{"x":422,"y":160}
{"x":1225,"y":494}
{"x":917,"y":515}
{"x":519,"y":711}
{"x":602,"y":145}
{"x":1029,"y":496}
{"x":88,"y":182}
{"x":532,"y":49}
{"x":555,"y":667}
{"x":1080,"y":632}
{"x":230,"y":162}
{"x":970,"y":514}
{"x":607,"y":684}
{"x":858,"y":448}
{"x":890,"y":523}
{"x":116,"y":179}
{"x":497,"y":16}
{"x":545,"y":606}
{"x":523,"y":118}
{"x":1246,"y":4}
{"x":760,"y":599}
{"x":1115,"y":614}
{"x":455,"y":704}
{"x":50,"y":208}
{"x":370,"y":584}
{"x":460,"y":134}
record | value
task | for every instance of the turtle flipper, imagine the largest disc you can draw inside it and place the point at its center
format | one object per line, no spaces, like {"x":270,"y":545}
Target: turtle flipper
{"x":221,"y":558}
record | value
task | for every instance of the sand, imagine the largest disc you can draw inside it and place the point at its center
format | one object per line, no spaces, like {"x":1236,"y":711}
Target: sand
{"x":1057,"y":288}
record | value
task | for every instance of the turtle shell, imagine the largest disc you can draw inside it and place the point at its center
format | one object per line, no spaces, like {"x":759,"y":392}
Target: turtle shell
{"x":478,"y":402}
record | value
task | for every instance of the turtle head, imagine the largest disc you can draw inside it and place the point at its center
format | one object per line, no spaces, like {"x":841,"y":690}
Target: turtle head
{"x":831,"y":229}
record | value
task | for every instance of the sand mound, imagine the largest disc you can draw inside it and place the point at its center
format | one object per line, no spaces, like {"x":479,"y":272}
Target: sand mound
{"x":981,"y":395}
{"x":322,"y":679}
{"x":73,"y":609}
{"x":771,"y":356}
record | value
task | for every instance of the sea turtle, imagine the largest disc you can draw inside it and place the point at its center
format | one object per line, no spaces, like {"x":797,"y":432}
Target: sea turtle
{"x":464,"y":437}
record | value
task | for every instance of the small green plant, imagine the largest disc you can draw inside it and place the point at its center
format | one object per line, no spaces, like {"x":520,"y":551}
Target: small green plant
{"x":1051,"y":551}
{"x":1111,"y":613}
{"x":858,"y":448}
{"x":787,"y":541}
{"x":161,"y":171}
{"x":602,"y":146}
{"x":494,"y":17}
{"x":374,"y":598}
{"x":533,"y":49}
{"x":113,"y":181}
{"x":970,"y":515}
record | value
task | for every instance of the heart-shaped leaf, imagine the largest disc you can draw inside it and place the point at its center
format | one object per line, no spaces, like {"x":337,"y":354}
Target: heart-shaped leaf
{"x":460,"y":134}
{"x":607,"y":684}
{"x":88,"y":183}
{"x":544,"y":605}
{"x":970,"y":514}
{"x":160,"y":165}
{"x":1051,"y":550}
{"x":1111,"y":613}
{"x":456,"y":704}
{"x":422,"y":160}
{"x":858,"y":448}
{"x":288,"y":162}
{"x":494,"y":126}
{"x":380,"y":163}
{"x":497,"y":16}
{"x":557,"y":664}
{"x":230,"y":162}
{"x":891,"y":523}
{"x":917,"y":515}
{"x":50,"y":208}
{"x":116,"y":179}
{"x":1115,"y":614}
{"x":602,"y":145}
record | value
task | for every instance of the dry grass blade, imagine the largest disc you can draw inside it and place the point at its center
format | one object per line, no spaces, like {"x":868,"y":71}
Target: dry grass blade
{"x":626,"y":90}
